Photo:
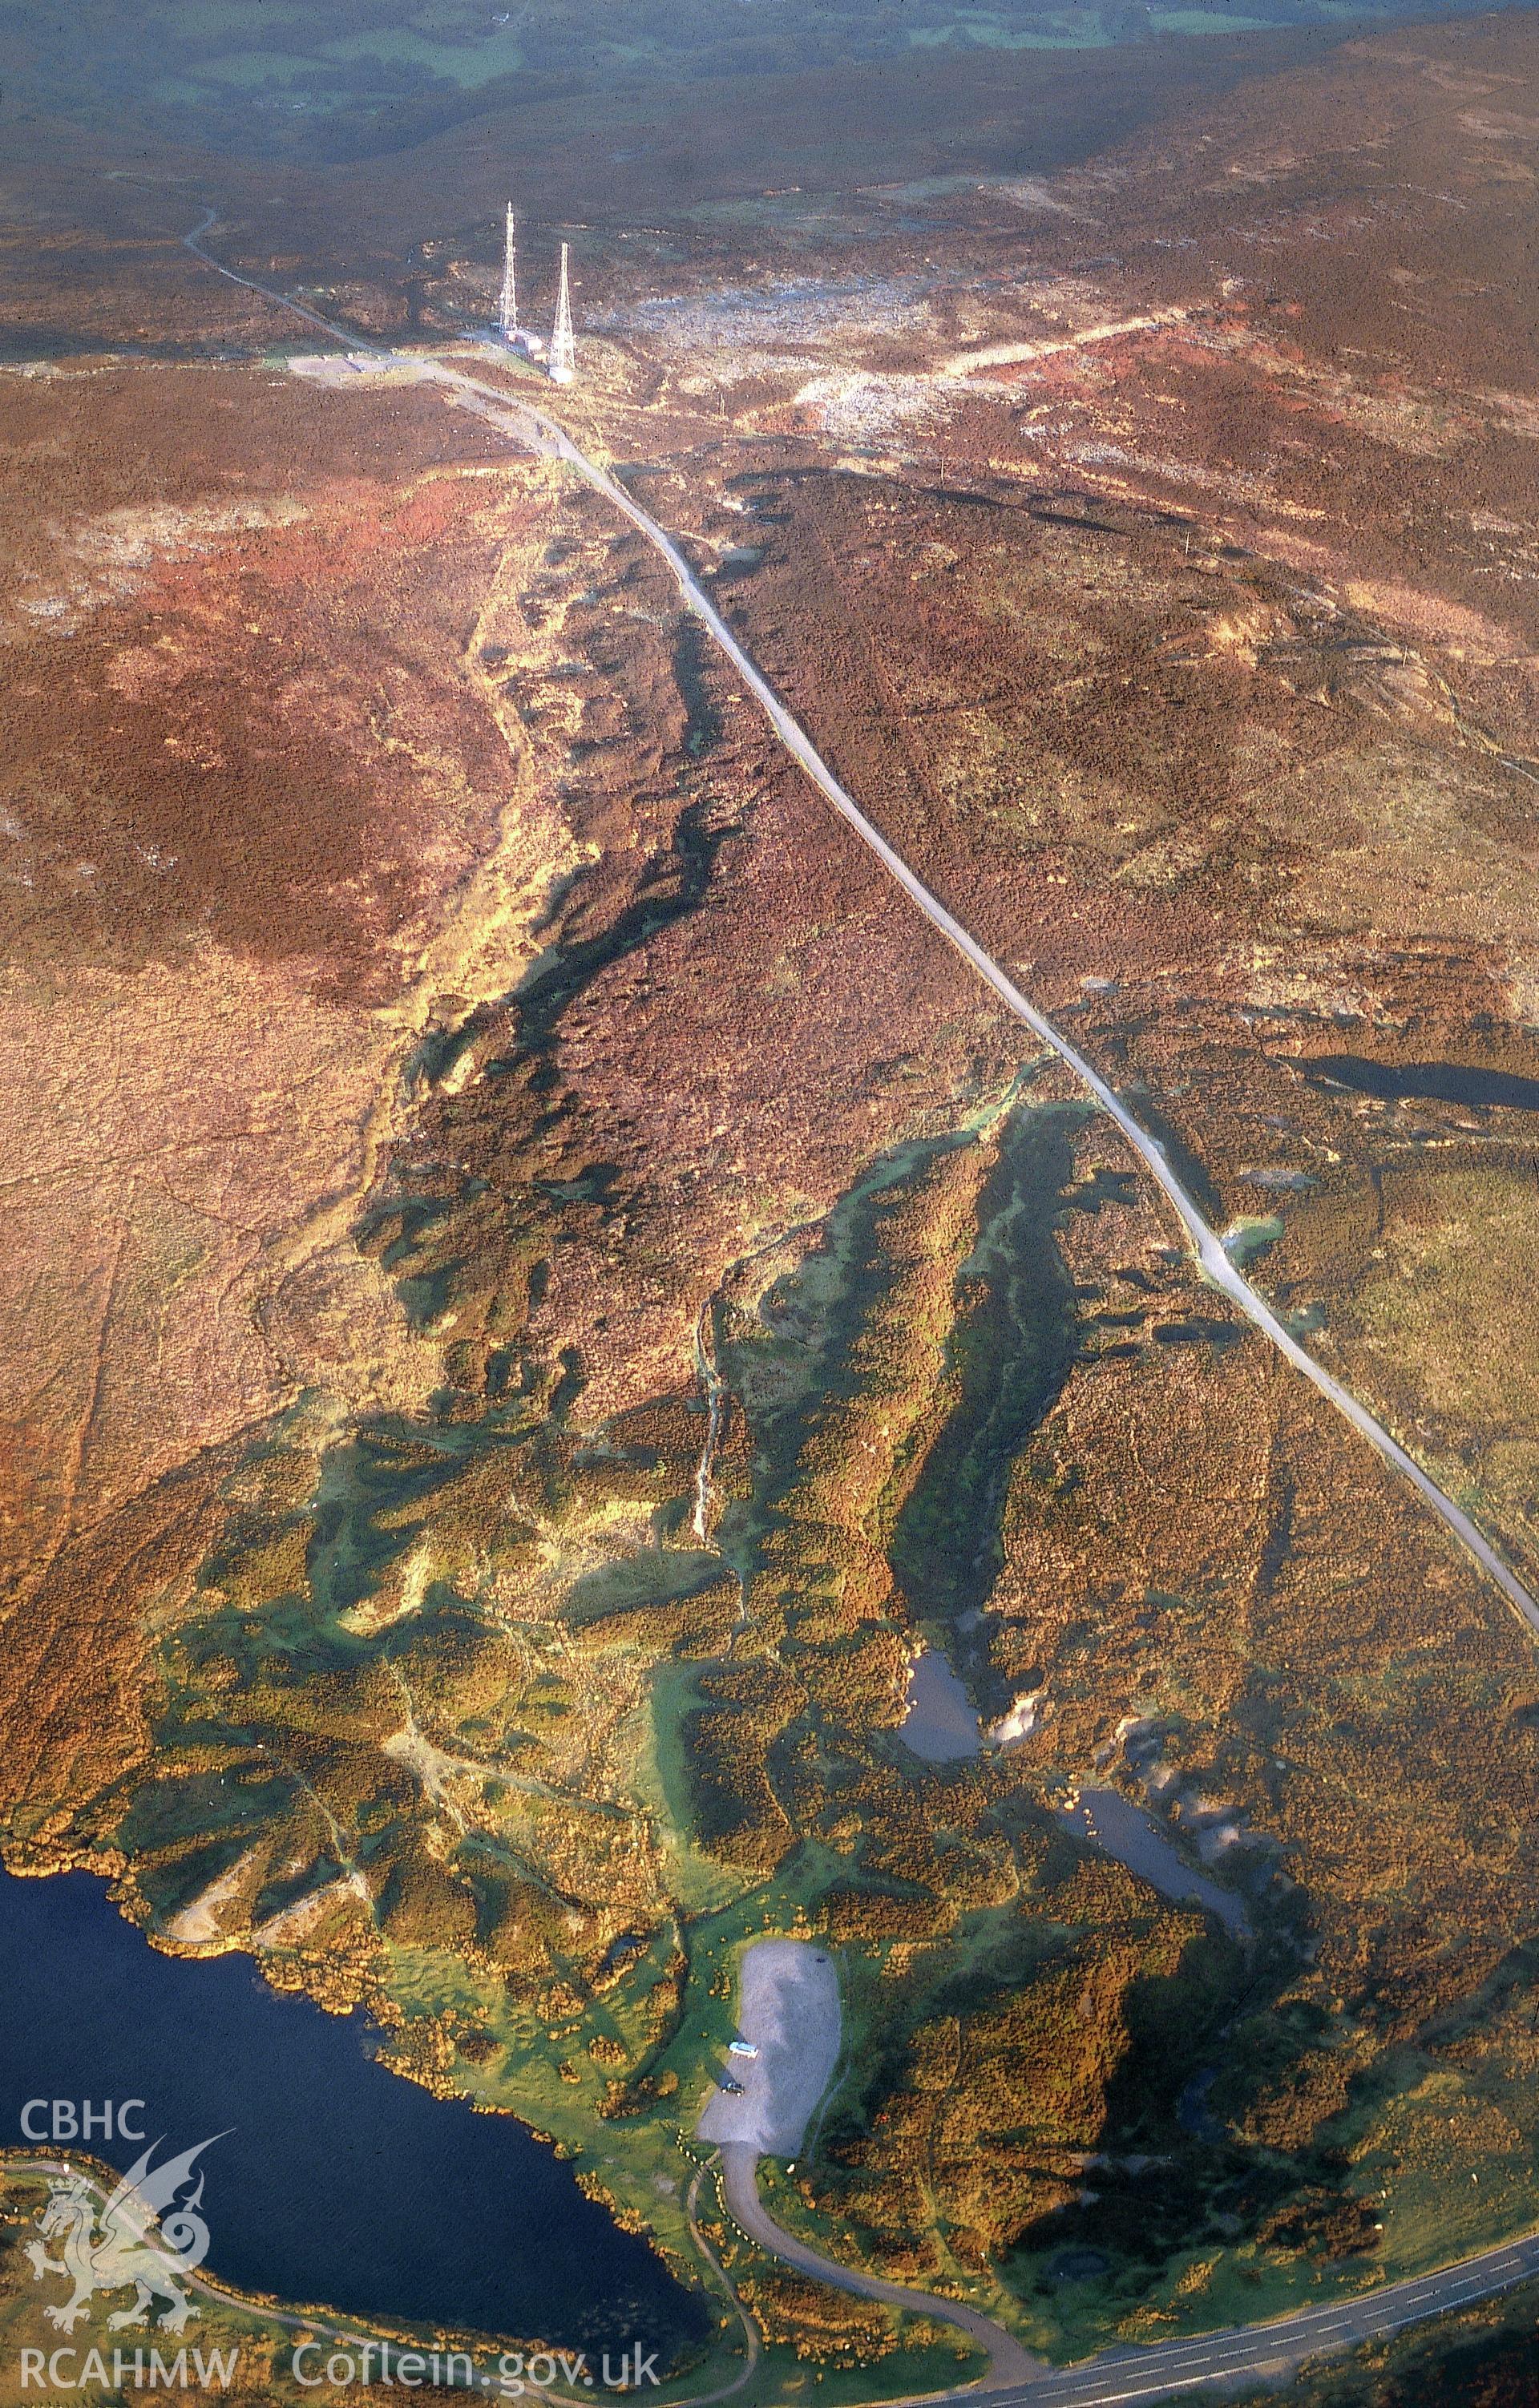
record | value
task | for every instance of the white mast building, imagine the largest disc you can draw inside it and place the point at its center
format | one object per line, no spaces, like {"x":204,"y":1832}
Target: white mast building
{"x":508,"y":309}
{"x":563,"y":342}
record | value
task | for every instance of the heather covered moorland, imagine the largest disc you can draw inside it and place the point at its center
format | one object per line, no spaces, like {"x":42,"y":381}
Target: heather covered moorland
{"x":540,"y":1285}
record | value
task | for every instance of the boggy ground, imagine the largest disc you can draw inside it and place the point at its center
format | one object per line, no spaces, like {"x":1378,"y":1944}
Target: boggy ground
{"x":255,"y":822}
{"x":1222,"y":823}
{"x":464,"y":1046}
{"x":369,"y":835}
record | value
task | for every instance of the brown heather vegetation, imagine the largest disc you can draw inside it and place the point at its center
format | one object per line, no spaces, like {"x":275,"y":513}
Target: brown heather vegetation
{"x":436,"y":1003}
{"x":1264,"y":1596}
{"x":822,"y":1594}
{"x":987,"y":2126}
{"x":825,"y":2327}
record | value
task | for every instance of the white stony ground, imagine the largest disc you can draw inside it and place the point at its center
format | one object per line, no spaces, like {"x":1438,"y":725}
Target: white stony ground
{"x":789,"y":2009}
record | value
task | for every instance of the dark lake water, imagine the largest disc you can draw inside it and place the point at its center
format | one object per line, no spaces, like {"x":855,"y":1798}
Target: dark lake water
{"x":1136,"y":1841}
{"x":339,"y":2183}
{"x":1443,"y":1082}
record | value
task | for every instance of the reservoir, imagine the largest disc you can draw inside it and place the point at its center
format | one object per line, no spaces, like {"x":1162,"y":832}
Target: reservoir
{"x":335,"y":2184}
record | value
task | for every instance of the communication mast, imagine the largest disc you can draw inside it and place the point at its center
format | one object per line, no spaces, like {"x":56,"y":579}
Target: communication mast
{"x":508,"y":313}
{"x":563,"y":342}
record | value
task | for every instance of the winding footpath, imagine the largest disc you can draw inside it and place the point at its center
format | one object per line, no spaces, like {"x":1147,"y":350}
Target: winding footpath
{"x":1255,"y":2352}
{"x":535,"y":432}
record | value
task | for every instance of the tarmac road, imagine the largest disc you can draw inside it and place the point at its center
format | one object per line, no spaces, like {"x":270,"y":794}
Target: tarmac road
{"x":533,"y":431}
{"x":1205,"y":1243}
{"x":545,"y":437}
{"x":1010,"y":2367}
{"x":1256,"y":2354}
{"x":1254,"y":2351}
{"x":789,"y":2010}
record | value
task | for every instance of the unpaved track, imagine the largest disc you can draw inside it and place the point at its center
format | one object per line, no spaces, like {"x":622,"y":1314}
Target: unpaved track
{"x":536,"y":432}
{"x":1011,"y":2370}
{"x":1205,"y":1241}
{"x":1249,"y":2352}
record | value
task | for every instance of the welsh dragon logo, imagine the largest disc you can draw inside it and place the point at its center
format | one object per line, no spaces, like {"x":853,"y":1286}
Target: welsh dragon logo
{"x":137,"y":2242}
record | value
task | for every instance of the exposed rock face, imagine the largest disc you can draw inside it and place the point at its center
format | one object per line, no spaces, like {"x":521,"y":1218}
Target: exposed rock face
{"x":536,"y":1289}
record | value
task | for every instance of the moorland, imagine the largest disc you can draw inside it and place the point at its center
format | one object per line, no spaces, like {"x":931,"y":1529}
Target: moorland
{"x":538,"y":1284}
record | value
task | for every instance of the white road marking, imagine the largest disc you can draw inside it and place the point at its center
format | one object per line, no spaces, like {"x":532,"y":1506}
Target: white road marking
{"x":1218,"y":2356}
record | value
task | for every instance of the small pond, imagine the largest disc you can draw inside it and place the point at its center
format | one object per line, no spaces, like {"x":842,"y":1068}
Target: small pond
{"x":1112,"y":1823}
{"x":939,"y":1721}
